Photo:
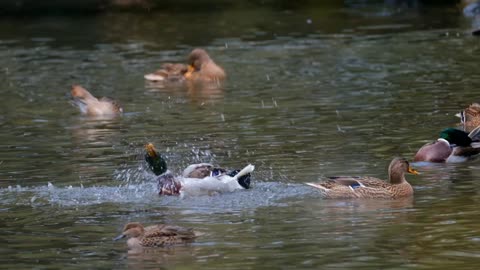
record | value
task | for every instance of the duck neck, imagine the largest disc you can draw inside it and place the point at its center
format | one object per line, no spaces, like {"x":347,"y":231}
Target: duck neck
{"x":157,"y":164}
{"x":396,"y":177}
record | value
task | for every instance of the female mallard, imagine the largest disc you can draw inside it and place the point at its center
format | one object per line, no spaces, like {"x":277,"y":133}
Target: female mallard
{"x":470,"y":117}
{"x":160,"y":235}
{"x":196,"y":179}
{"x":355,"y":187}
{"x":453,"y":146}
{"x":92,"y":106}
{"x":200,"y":67}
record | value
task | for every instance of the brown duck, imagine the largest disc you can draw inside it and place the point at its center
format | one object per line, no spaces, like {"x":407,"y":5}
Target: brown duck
{"x":365,"y":187}
{"x":160,"y":235}
{"x":200,"y":67}
{"x":92,"y":106}
{"x":470,"y":117}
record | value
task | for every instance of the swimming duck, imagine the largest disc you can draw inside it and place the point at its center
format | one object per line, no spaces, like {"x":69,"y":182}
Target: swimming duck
{"x":160,"y":235}
{"x":365,"y":187}
{"x":200,"y":67}
{"x":196,"y":179}
{"x":92,"y":106}
{"x":453,"y":146}
{"x":470,"y":117}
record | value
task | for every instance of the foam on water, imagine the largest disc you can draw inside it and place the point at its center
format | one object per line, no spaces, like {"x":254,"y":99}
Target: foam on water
{"x":145,"y":194}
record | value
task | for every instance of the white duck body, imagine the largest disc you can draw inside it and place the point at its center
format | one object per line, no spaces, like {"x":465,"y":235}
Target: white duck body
{"x":211,"y":184}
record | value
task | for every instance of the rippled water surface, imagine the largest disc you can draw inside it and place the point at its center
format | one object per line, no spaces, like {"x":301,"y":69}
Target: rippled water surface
{"x":313,"y":90}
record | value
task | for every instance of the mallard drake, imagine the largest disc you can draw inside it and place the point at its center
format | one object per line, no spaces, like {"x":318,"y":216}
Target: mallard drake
{"x":200,"y":67}
{"x":470,"y":117}
{"x":365,"y":187}
{"x":92,"y":106}
{"x":453,"y":146}
{"x":156,"y":163}
{"x":160,"y":235}
{"x":196,"y":179}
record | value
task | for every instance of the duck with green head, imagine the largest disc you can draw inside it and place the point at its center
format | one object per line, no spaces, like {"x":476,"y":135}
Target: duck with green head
{"x":196,"y":179}
{"x":366,"y":187}
{"x":453,"y":146}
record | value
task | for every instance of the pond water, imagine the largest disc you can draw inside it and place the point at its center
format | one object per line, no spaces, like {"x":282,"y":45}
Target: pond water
{"x":313,"y":90}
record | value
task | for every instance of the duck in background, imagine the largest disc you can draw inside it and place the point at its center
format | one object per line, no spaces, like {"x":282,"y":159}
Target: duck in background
{"x":160,"y":235}
{"x":470,"y":117}
{"x":453,"y":145}
{"x":200,"y":67}
{"x":366,"y":187}
{"x":196,"y":179}
{"x":92,"y":106}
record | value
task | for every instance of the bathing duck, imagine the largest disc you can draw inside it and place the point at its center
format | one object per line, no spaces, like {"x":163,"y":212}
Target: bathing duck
{"x":453,"y":146}
{"x":196,"y":179}
{"x":160,"y":235}
{"x":200,"y":67}
{"x":92,"y":106}
{"x":156,"y":162}
{"x":470,"y":117}
{"x":365,"y":187}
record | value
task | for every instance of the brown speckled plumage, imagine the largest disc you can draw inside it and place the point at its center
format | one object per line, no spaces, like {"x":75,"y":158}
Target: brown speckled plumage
{"x":92,"y":106}
{"x":200,"y":67}
{"x":172,"y":72}
{"x":470,"y":117}
{"x":160,"y":235}
{"x":351,"y":187}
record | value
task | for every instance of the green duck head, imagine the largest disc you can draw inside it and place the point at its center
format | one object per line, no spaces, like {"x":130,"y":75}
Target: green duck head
{"x":155,"y":161}
{"x":456,"y":137}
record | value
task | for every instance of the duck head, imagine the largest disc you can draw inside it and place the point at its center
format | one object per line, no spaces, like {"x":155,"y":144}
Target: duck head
{"x":196,"y":59}
{"x":131,"y":230}
{"x":456,"y":137}
{"x":155,"y":161}
{"x":397,"y":169}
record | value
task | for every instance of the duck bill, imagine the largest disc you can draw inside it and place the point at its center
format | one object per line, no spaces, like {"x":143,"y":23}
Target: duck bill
{"x":190,"y":70}
{"x":412,"y":171}
{"x":121,"y":236}
{"x":151,"y":151}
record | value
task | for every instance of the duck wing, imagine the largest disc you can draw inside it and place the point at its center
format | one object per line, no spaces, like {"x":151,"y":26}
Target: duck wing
{"x":348,"y":187}
{"x":475,"y":133}
{"x":200,"y":170}
{"x":466,"y":151}
{"x":166,"y":235}
{"x":162,"y":230}
{"x":437,"y":151}
{"x":359,"y":181}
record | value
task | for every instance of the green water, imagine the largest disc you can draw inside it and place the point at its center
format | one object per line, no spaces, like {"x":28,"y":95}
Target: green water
{"x":312,"y":90}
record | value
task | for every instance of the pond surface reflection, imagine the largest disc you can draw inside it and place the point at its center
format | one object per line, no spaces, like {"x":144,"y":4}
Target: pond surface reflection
{"x":312,"y":91}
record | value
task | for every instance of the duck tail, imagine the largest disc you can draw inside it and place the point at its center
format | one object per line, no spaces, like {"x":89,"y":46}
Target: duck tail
{"x":243,"y":176}
{"x":317,"y":186}
{"x":475,"y":134}
{"x":248,"y":169}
